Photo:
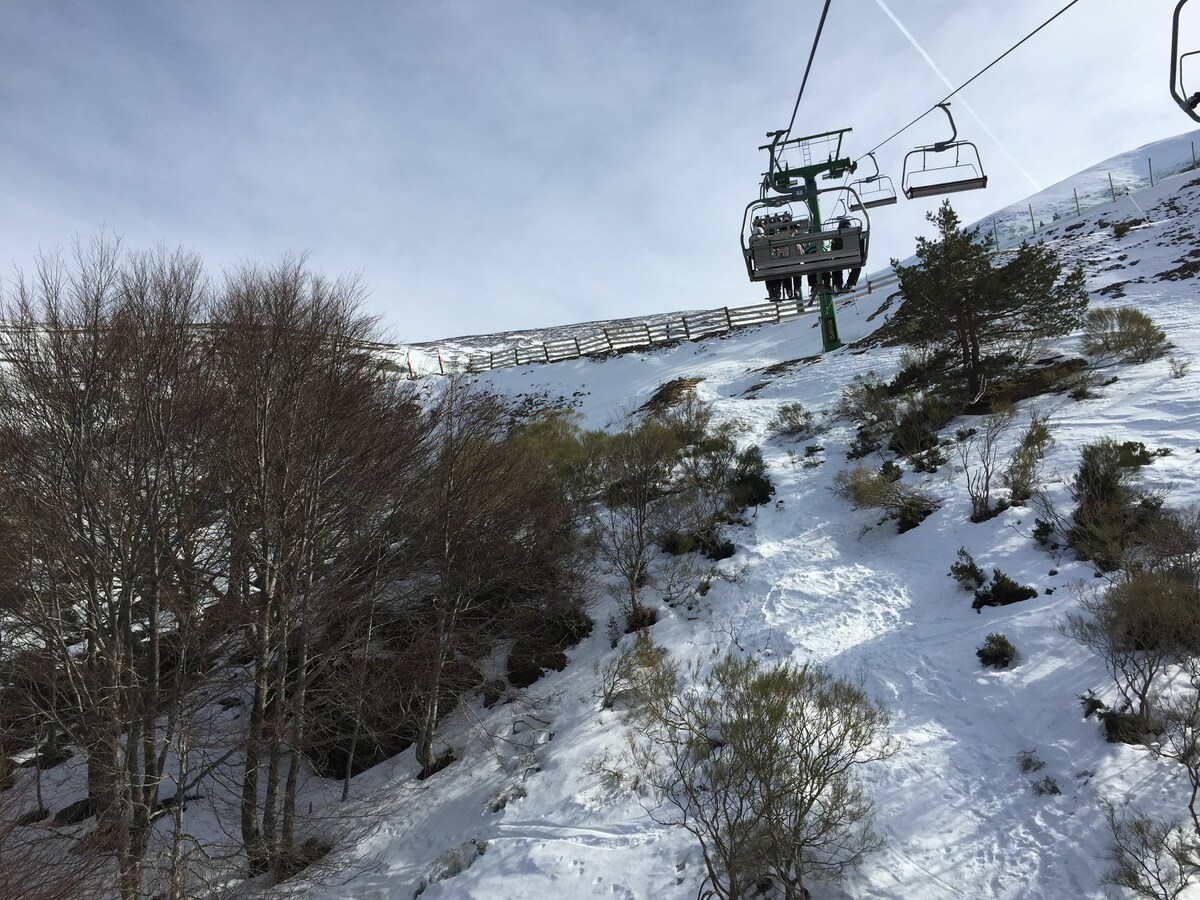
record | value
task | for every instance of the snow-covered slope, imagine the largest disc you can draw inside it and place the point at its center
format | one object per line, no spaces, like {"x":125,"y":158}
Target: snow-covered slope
{"x":817,"y":580}
{"x":813,"y":579}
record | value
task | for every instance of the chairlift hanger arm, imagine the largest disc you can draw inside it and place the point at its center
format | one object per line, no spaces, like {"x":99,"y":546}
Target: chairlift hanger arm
{"x":942,"y":145}
{"x":1187,"y":104}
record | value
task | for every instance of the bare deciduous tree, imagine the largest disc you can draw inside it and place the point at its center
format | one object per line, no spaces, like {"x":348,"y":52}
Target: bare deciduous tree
{"x":979,"y":453}
{"x":105,"y":400}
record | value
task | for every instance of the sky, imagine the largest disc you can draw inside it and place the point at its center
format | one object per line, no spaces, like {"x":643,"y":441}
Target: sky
{"x":498,"y":166}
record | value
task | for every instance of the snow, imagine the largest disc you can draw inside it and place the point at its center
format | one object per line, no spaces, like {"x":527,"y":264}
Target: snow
{"x":813,"y":579}
{"x":819,"y":581}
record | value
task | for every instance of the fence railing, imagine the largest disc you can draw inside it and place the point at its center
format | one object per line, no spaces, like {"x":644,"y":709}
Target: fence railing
{"x":1015,"y":227}
{"x":616,"y":337}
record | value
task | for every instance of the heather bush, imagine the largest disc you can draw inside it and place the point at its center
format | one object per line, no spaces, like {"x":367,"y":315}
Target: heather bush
{"x":1124,"y":332}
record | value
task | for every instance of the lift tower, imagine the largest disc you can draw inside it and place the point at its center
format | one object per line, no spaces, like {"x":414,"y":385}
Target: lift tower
{"x":799,"y":242}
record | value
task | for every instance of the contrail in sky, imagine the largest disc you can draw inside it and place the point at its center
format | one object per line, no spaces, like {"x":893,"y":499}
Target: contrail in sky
{"x":967,"y":106}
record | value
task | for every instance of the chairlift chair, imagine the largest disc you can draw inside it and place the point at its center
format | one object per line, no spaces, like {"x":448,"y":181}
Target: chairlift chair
{"x":779,"y":241}
{"x":951,"y":166}
{"x":1187,"y":102}
{"x":874,"y":190}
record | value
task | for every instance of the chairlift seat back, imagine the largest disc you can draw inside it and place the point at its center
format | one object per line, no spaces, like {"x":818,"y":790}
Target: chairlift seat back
{"x":782,"y":255}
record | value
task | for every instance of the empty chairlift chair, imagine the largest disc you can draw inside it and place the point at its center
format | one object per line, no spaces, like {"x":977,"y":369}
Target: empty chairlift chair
{"x":946,"y":167}
{"x":874,"y":190}
{"x":1188,"y":102}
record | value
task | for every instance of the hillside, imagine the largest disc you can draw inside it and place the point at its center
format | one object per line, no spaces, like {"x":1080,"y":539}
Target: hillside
{"x":816,"y":580}
{"x":813,"y":579}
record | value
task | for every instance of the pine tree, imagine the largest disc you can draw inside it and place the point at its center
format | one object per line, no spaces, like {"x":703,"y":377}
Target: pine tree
{"x":980,"y":316}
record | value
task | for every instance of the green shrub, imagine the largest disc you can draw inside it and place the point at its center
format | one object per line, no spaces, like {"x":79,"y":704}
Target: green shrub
{"x":1110,"y":510}
{"x":1091,"y":704}
{"x":1133,"y":454}
{"x":919,"y":419}
{"x":1124,"y":332}
{"x":1043,"y":531}
{"x":865,"y":443}
{"x":996,"y":651}
{"x":1127,"y":728}
{"x":749,"y":485}
{"x":1025,"y":464}
{"x":867,"y":400}
{"x":1002,"y":591}
{"x":930,"y":460}
{"x":966,"y":572}
{"x":914,"y":508}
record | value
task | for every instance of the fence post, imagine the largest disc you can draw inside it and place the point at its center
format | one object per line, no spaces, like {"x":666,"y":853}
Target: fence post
{"x":1078,"y":211}
{"x":441,"y":368}
{"x":1112,"y":190}
{"x":649,"y":340}
{"x":607,"y":338}
{"x":728,"y":321}
{"x":546,"y":352}
{"x":687,"y":332}
{"x":1150,"y":166}
{"x":578,"y":352}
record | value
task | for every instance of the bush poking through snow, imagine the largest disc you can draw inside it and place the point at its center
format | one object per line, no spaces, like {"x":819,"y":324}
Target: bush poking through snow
{"x":1043,"y":531}
{"x":621,"y":679}
{"x":748,"y":483}
{"x":1110,"y":509}
{"x":1002,"y":591}
{"x":997,"y":651}
{"x":1128,"y":728}
{"x":1046,"y":787}
{"x":1029,"y":762}
{"x":873,"y":490}
{"x":793,"y":421}
{"x":759,"y":764}
{"x":1123,"y":332}
{"x":501,"y":797}
{"x":452,"y":862}
{"x":965,"y":571}
{"x":1024,"y":466}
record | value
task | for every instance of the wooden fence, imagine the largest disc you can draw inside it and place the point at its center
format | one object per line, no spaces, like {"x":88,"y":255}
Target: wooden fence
{"x":614,"y":337}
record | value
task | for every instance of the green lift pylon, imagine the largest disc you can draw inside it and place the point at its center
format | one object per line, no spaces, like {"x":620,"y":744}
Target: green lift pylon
{"x":800,"y":181}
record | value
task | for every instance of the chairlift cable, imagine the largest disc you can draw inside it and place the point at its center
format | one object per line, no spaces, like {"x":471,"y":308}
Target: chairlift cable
{"x":965,"y":83}
{"x":808,"y":68}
